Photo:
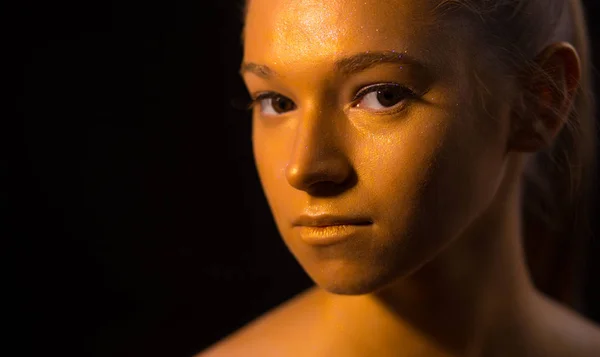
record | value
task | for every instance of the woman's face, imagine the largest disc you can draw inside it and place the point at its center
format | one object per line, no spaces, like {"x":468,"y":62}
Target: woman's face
{"x":384,"y":135}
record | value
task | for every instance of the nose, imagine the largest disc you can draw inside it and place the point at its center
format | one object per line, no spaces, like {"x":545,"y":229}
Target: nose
{"x":318,"y":159}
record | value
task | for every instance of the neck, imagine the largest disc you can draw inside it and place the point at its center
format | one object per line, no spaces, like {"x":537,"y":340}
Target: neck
{"x":459,"y":304}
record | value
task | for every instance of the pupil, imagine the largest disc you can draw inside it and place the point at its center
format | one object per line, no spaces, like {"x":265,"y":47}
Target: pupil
{"x":282,"y":105}
{"x":389,"y":97}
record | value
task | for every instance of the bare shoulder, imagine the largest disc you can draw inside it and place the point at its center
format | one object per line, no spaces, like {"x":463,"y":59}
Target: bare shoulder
{"x":571,"y":334}
{"x":276,"y":333}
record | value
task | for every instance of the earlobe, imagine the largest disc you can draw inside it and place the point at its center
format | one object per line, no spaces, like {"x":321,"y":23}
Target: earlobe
{"x":531,"y":138}
{"x":547,"y":99}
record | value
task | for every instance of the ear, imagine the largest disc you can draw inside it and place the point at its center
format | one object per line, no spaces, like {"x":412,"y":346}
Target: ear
{"x":547,"y":99}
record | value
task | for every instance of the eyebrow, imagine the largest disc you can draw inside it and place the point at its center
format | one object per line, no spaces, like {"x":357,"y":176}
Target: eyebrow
{"x":346,"y":65}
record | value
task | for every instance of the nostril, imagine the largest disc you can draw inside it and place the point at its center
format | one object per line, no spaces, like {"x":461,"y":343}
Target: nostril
{"x":324,"y":186}
{"x":323,"y":173}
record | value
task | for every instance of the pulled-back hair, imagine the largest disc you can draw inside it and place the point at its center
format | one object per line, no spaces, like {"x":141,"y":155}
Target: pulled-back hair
{"x":557,"y":181}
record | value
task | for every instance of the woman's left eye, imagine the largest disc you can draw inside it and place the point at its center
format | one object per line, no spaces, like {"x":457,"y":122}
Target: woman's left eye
{"x":380,"y":97}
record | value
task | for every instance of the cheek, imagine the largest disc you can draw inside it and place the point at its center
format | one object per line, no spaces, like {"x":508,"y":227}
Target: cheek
{"x":271,"y":155}
{"x":431,"y":178}
{"x":461,"y":181}
{"x":396,"y":166}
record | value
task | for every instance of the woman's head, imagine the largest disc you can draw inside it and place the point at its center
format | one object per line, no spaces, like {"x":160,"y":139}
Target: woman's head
{"x":408,"y":119}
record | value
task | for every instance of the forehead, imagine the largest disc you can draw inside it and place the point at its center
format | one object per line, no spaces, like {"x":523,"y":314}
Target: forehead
{"x":303,"y":32}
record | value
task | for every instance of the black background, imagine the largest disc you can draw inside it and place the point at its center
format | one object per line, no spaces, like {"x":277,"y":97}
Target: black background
{"x":138,"y":225}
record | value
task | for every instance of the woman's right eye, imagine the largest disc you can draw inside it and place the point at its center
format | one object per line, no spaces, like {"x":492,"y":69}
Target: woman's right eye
{"x":272,"y":103}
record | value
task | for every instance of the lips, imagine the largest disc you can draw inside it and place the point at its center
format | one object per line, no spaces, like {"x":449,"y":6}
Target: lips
{"x":326,"y":230}
{"x":327,"y":220}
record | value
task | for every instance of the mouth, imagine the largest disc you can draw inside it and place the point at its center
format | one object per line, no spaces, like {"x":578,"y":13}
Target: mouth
{"x":325,"y":230}
{"x":326,"y":220}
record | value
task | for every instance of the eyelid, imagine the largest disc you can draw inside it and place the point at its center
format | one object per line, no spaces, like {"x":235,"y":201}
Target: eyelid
{"x":255,"y":98}
{"x":373,"y":87}
{"x":409,"y":94}
{"x":259,"y":96}
{"x":265,"y":94}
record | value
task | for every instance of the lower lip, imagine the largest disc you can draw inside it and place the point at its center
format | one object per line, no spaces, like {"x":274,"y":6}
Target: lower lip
{"x":328,"y":235}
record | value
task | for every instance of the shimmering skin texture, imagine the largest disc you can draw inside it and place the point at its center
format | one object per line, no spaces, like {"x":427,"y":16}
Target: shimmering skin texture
{"x":436,"y":177}
{"x":421,"y":173}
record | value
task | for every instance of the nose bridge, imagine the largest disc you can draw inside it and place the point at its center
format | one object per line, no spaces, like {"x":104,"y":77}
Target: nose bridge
{"x":318,"y":153}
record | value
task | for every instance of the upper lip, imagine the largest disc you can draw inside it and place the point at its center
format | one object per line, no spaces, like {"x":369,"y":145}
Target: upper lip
{"x":324,"y":220}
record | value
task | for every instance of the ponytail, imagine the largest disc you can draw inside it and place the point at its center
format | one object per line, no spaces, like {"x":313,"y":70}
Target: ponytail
{"x":557,"y":183}
{"x":558,"y":186}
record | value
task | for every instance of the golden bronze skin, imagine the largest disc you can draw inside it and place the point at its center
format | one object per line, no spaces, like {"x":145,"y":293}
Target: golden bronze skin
{"x":402,"y":205}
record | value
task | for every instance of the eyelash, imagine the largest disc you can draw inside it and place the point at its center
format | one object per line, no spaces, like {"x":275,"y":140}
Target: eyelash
{"x":408,"y":94}
{"x":262,"y":96}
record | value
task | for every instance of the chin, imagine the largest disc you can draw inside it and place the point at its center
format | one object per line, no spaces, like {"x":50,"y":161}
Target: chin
{"x":350,"y":290}
{"x":352,"y":280}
